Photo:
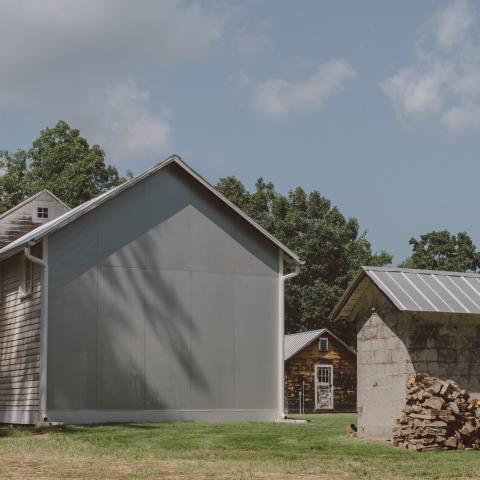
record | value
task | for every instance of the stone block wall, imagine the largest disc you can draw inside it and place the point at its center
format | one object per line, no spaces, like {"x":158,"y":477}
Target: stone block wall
{"x":446,"y":346}
{"x":392,"y":345}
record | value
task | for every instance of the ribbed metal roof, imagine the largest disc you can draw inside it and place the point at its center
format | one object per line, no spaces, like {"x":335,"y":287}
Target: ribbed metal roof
{"x":422,"y":290}
{"x":429,"y":291}
{"x":59,"y":222}
{"x":298,"y":341}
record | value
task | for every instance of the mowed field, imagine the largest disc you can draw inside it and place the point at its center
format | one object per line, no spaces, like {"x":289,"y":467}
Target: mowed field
{"x":317,"y":450}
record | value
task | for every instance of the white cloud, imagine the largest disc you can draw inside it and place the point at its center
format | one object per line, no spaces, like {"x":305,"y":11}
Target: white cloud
{"x":417,"y":92}
{"x":462,"y":118}
{"x":444,"y":83}
{"x":122,"y":122}
{"x":44,"y":45}
{"x":61,"y":56}
{"x":279,"y":97}
{"x":451,"y":24}
{"x":253,"y":40}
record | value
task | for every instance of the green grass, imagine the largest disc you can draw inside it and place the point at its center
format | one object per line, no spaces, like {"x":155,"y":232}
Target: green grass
{"x":318,"y":449}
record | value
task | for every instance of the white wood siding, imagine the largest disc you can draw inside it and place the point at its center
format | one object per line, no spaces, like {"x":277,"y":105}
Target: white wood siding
{"x":21,"y":219}
{"x":19,"y":340}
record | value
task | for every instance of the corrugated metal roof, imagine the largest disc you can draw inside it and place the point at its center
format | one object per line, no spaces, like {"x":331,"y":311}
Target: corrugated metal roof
{"x":59,"y":222}
{"x":422,"y":290}
{"x":298,"y":341}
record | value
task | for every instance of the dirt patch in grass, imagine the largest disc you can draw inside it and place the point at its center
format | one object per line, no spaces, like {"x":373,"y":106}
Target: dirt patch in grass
{"x":63,"y":467}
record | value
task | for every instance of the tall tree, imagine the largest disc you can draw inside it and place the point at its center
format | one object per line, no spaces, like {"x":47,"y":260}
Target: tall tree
{"x":333,"y":246}
{"x":440,"y":250}
{"x":60,"y":160}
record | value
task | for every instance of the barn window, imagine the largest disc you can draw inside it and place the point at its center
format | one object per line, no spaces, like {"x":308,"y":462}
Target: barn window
{"x":42,"y":212}
{"x":26,"y":277}
{"x":323,"y":345}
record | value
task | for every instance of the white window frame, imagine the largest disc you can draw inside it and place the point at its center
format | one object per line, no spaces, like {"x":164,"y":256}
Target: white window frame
{"x":329,"y":366}
{"x":35,"y":216}
{"x":1,"y":283}
{"x":325,"y":339}
{"x":26,"y":277}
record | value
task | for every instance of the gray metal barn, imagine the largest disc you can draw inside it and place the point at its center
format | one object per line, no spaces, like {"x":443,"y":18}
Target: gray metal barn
{"x":409,"y":321}
{"x":159,"y":300}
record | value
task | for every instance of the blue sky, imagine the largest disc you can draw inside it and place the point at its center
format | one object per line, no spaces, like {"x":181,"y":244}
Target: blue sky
{"x":376,"y":104}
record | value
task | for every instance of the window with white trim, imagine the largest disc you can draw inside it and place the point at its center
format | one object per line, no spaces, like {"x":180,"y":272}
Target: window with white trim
{"x":323,"y":344}
{"x":42,"y":212}
{"x":26,"y":276}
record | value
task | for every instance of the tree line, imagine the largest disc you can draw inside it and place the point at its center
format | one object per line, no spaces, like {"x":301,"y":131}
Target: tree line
{"x":333,"y":246}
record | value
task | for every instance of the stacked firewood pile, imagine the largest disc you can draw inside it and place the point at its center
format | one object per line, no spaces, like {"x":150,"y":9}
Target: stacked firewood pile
{"x":438,"y":415}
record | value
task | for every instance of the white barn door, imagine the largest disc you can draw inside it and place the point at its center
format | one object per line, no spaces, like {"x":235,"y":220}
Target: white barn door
{"x":323,"y":387}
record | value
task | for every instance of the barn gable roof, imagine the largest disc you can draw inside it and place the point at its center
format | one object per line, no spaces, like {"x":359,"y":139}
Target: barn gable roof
{"x":63,"y":220}
{"x":296,"y":342}
{"x":31,"y":199}
{"x":416,"y":290}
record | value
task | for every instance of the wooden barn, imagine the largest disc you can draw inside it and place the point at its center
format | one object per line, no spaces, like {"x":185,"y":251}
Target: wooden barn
{"x":320,"y":373}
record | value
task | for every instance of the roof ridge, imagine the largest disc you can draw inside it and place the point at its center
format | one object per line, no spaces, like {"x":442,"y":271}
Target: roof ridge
{"x":305,"y":332}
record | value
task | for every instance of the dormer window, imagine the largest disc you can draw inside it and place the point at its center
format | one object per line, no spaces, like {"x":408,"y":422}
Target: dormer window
{"x":42,"y":212}
{"x":323,"y":344}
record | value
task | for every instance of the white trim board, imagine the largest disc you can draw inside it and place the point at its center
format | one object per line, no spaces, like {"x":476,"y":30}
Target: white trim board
{"x":19,"y":417}
{"x":113,"y":416}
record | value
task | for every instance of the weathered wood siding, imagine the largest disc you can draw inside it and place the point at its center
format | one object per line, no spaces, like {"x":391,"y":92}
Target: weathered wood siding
{"x":301,"y":368}
{"x":20,"y":220}
{"x":19,"y":341}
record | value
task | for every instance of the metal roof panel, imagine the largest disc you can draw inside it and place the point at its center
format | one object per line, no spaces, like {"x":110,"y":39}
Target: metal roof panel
{"x":298,"y":341}
{"x":419,"y":290}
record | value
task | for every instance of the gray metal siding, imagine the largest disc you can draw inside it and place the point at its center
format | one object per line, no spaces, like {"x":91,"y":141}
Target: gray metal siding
{"x":212,"y":340}
{"x":168,"y":333}
{"x":72,"y":358}
{"x":177,"y":300}
{"x":255,"y":341}
{"x":121,"y":338}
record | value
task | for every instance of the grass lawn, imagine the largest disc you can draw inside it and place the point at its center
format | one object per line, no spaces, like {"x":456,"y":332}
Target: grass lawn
{"x":317,"y":450}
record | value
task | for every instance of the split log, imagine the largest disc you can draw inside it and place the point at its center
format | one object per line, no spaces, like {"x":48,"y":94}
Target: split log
{"x":437,"y":415}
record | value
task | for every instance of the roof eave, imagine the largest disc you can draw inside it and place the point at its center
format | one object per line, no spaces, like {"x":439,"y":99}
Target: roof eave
{"x":346,"y":295}
{"x":320,"y":333}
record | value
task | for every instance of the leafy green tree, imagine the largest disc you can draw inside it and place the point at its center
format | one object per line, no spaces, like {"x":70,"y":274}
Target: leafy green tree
{"x":332,"y":246}
{"x":60,"y":160}
{"x":439,"y":250}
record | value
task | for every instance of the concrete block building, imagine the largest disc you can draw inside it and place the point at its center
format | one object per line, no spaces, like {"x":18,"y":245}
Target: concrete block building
{"x":409,"y":321}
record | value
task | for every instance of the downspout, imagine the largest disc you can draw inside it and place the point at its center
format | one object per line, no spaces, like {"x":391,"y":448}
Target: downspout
{"x":281,"y":333}
{"x":43,"y":262}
